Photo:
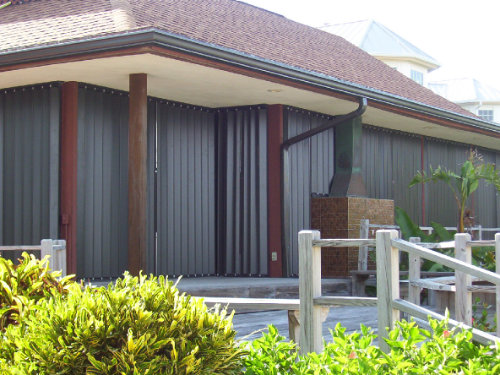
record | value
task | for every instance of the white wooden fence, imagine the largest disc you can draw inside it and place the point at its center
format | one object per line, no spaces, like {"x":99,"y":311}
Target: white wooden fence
{"x":388,"y":301}
{"x":56,"y":249}
{"x":366,"y":227}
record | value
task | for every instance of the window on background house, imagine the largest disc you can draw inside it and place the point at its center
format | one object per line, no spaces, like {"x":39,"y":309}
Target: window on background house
{"x":486,"y":114}
{"x":417,"y":76}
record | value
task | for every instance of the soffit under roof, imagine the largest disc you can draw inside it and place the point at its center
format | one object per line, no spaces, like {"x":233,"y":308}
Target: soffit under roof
{"x":206,"y":86}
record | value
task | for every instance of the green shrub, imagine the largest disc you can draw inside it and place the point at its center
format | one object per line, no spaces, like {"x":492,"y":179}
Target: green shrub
{"x":136,"y":326}
{"x":412,"y":351}
{"x":23,"y":285}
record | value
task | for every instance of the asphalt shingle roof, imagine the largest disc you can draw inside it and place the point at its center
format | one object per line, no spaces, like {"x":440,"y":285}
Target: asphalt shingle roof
{"x":226,"y":23}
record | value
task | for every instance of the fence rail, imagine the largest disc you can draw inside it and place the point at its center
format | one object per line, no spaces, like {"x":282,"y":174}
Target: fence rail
{"x":365,"y":227}
{"x":56,"y":249}
{"x":388,"y":301}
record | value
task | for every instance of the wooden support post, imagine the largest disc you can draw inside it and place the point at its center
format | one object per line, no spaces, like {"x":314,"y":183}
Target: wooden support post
{"x":137,"y":176}
{"x":69,"y":167}
{"x":274,"y":199}
{"x":497,"y":260}
{"x":309,"y":287}
{"x":414,"y":275}
{"x":463,"y":298}
{"x":387,"y":283}
{"x":364,"y":232}
{"x":294,"y":326}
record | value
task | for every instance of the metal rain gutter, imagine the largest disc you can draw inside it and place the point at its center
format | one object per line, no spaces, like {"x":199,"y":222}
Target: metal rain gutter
{"x":152,"y":36}
{"x":285,"y":170}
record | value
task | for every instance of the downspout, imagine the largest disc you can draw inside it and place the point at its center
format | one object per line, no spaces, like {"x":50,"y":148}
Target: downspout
{"x":285,"y":168}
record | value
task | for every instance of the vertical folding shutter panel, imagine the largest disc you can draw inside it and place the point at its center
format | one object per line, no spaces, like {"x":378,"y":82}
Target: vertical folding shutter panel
{"x":390,"y":160}
{"x":497,"y":164}
{"x":440,"y":204}
{"x":29,"y":163}
{"x":484,"y":200}
{"x":151,"y":226}
{"x":242,"y":198}
{"x":311,"y":168}
{"x":406,"y":162}
{"x":186,"y":222}
{"x":102,"y":192}
{"x":377,"y":163}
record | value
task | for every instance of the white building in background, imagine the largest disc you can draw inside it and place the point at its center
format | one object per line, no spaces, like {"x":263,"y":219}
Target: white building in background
{"x":472,"y":95}
{"x":387,"y":46}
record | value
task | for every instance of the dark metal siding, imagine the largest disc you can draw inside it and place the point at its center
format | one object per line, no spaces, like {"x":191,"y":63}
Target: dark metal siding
{"x":242,"y":197}
{"x":311,"y":168}
{"x":440,"y":205}
{"x":29,"y":163}
{"x":185,"y":197}
{"x":390,"y":160}
{"x":486,"y":198}
{"x":102,"y":202}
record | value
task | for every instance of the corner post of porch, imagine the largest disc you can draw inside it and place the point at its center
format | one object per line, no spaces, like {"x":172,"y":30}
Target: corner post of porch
{"x":274,"y":199}
{"x":68,"y":171}
{"x":137,"y":176}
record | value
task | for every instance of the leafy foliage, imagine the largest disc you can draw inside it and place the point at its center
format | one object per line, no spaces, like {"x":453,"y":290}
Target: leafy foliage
{"x":464,"y":184}
{"x":480,"y":317}
{"x":410,"y":229}
{"x":135,"y":326}
{"x":412,"y":351}
{"x":483,"y":256}
{"x":23,"y":285}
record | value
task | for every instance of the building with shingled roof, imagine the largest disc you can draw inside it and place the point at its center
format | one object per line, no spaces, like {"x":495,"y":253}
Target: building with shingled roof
{"x":387,"y":46}
{"x":188,"y":137}
{"x":472,"y":95}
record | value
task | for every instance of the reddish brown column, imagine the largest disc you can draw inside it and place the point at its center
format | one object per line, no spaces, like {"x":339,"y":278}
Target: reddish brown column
{"x":274,"y":140}
{"x":137,"y":178}
{"x":68,"y":160}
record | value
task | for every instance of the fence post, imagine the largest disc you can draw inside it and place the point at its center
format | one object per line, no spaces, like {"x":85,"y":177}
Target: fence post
{"x":497,"y":260}
{"x":61,"y":257}
{"x":463,"y":298}
{"x":413,"y":275}
{"x":387,"y":283}
{"x":364,"y":232}
{"x":311,"y":339}
{"x":47,"y":248}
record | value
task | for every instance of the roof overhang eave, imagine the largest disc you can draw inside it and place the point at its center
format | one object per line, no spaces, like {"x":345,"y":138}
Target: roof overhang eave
{"x":179,"y":43}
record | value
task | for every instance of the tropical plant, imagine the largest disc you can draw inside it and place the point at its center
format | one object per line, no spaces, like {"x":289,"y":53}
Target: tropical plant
{"x":413,"y":350}
{"x":24,"y":284}
{"x":138,"y":325}
{"x":464,"y":184}
{"x":410,"y":229}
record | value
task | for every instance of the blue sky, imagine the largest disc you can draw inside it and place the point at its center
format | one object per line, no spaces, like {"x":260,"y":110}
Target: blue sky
{"x":464,"y":36}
